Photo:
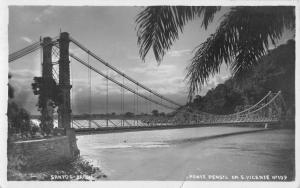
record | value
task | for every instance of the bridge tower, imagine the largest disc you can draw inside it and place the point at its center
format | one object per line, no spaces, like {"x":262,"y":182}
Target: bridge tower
{"x":64,"y":109}
{"x":47,"y":109}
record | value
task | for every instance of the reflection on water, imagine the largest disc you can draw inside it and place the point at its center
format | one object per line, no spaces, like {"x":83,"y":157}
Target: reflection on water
{"x":153,"y":155}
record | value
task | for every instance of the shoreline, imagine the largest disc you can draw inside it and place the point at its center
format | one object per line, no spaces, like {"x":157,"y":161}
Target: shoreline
{"x":78,"y":170}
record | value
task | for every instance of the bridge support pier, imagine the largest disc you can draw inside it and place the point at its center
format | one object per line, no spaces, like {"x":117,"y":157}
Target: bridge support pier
{"x":46,"y":106}
{"x":64,"y":109}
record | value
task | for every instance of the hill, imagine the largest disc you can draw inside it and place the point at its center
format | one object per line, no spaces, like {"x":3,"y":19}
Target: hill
{"x":273,"y":72}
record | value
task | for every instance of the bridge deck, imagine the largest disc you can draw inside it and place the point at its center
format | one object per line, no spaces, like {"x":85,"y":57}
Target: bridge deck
{"x":100,"y":130}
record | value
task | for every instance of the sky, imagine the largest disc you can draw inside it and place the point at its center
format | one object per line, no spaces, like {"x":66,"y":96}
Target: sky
{"x":110,"y":33}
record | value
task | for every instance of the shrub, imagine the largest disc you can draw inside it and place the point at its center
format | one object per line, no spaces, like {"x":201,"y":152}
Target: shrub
{"x":18,"y":119}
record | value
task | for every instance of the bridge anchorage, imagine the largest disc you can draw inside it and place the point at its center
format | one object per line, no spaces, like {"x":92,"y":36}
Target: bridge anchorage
{"x":55,"y":86}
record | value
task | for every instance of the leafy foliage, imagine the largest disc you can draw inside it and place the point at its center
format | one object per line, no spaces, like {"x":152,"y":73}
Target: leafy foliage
{"x":155,"y":112}
{"x":159,"y":26}
{"x":47,"y":89}
{"x":221,"y":100}
{"x":276,"y":71}
{"x":10,"y":89}
{"x":129,"y":114}
{"x":242,"y":37}
{"x":50,"y":96}
{"x":18,"y":118}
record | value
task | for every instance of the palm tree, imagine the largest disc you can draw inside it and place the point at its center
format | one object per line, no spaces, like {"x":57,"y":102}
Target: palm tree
{"x":242,"y":37}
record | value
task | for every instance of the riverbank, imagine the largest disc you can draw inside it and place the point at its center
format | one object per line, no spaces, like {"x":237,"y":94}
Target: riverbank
{"x":76,"y":170}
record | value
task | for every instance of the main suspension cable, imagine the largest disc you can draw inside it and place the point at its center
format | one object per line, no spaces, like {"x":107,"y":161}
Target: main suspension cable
{"x":121,"y":73}
{"x":29,"y":49}
{"x":90,"y":92}
{"x":118,"y":83}
{"x":107,"y":96}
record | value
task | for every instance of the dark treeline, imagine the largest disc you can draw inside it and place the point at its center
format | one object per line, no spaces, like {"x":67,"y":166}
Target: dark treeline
{"x":274,"y":72}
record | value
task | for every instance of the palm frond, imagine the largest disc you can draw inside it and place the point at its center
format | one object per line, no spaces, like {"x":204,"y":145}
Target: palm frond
{"x":241,"y":39}
{"x":158,"y":26}
{"x":208,"y":14}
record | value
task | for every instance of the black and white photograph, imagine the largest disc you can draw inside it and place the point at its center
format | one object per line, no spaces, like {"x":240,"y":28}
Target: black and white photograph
{"x":190,"y":94}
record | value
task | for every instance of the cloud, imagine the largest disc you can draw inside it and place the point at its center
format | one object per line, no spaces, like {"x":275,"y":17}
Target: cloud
{"x":167,"y":85}
{"x":27,"y":39}
{"x":213,"y":82}
{"x":23,"y":75}
{"x":164,"y":79}
{"x":179,"y":53}
{"x":133,"y":57}
{"x":23,"y":94}
{"x":152,"y":69}
{"x":46,"y":12}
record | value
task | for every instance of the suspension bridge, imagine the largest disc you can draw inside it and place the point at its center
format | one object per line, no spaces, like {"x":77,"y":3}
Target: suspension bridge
{"x":56,"y":60}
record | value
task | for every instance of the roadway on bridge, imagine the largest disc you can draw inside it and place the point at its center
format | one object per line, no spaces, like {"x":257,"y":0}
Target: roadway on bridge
{"x":173,"y":155}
